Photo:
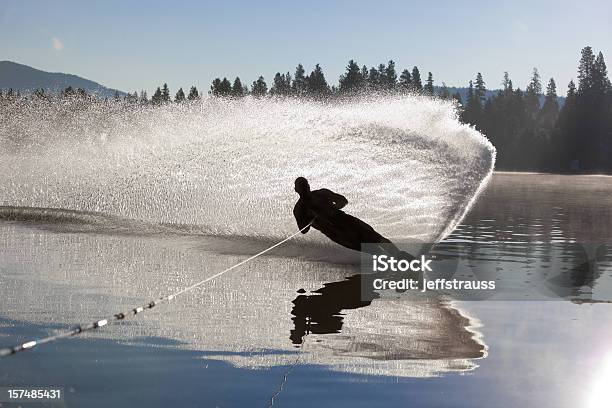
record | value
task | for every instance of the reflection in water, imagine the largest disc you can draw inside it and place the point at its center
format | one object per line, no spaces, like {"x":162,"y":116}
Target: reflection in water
{"x":328,"y":316}
{"x":543,"y":237}
{"x":322,"y":313}
{"x":525,"y":270}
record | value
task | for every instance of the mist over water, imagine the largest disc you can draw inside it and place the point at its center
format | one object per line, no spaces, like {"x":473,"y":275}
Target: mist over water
{"x":226,"y":167}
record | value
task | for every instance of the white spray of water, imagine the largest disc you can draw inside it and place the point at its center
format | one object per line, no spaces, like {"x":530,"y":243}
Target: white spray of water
{"x":406,"y":165}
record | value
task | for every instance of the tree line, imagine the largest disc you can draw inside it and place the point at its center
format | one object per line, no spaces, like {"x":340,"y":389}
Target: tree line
{"x":356,"y":80}
{"x":300,"y":84}
{"x":532,"y":132}
{"x":529,"y":128}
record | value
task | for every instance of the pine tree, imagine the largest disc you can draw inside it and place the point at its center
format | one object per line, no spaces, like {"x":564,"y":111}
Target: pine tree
{"x":259,"y":88}
{"x":532,"y":95}
{"x":156,"y":99}
{"x":289,"y":82}
{"x":519,"y":151}
{"x":129,"y":97}
{"x":466,"y":114}
{"x":180,"y":96}
{"x":277,"y":84}
{"x":550,"y":108}
{"x":507,"y":83}
{"x":352,"y":80}
{"x":165,"y":97}
{"x":298,"y":86}
{"x":416,"y":80}
{"x":405,"y":81}
{"x":535,"y":86}
{"x":428,"y":89}
{"x":281,"y":85}
{"x":570,"y":98}
{"x":480,"y":92}
{"x":382,"y":75}
{"x":143,"y":99}
{"x":225,"y":87}
{"x":601,"y":82}
{"x":585,"y":71}
{"x":600,"y":117}
{"x":316,"y":84}
{"x":193,"y":94}
{"x":444,"y":93}
{"x":221,"y":87}
{"x":215,"y":87}
{"x":503,"y":118}
{"x":565,"y":143}
{"x":390,"y":76}
{"x":473,"y":113}
{"x":66,"y":93}
{"x":364,"y":74}
{"x":374,"y":79}
{"x":38,"y":94}
{"x":237,"y":88}
{"x":591,"y":134}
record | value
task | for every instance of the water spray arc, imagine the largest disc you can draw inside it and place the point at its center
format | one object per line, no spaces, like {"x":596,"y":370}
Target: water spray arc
{"x":405,"y":162}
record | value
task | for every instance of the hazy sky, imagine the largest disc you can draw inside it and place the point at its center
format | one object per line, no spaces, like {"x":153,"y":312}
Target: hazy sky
{"x":132,"y":45}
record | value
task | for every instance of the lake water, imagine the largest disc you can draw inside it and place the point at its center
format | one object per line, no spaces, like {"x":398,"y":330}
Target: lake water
{"x":291,"y":329}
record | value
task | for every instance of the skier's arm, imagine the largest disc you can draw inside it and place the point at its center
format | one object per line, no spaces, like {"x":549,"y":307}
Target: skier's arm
{"x":301,"y":217}
{"x":339,"y":201}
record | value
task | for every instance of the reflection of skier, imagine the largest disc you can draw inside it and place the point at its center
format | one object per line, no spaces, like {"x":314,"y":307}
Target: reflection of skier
{"x":322,"y":312}
{"x":323,"y":208}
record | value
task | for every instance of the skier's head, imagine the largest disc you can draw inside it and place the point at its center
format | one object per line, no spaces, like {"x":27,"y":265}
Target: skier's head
{"x":301,"y":186}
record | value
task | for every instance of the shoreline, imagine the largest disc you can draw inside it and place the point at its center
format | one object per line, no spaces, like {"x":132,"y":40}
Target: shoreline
{"x":537,"y":173}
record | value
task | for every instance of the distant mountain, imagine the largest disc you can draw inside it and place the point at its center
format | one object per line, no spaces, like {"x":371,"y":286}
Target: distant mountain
{"x":27,"y":79}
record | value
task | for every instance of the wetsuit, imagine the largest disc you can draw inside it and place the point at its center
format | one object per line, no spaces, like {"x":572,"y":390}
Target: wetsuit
{"x":324,"y":207}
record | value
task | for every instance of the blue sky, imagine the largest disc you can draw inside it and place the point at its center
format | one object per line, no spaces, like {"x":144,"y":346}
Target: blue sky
{"x":133,"y":45}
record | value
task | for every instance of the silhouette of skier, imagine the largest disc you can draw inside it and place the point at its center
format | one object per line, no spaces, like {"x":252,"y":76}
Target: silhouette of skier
{"x":323,"y":208}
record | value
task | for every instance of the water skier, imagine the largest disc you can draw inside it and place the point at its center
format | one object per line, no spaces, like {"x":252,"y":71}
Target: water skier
{"x":324,"y":208}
